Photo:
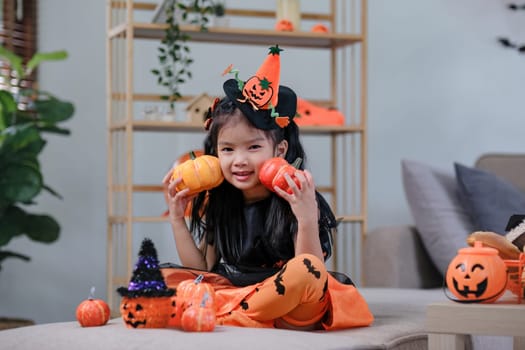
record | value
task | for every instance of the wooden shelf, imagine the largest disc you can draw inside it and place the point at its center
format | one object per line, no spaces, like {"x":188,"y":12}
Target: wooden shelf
{"x":156,"y":126}
{"x":344,"y":163}
{"x":151,"y":219}
{"x":159,"y":188}
{"x":218,"y":35}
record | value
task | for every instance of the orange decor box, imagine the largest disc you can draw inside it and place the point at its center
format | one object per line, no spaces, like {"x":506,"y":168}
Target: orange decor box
{"x":516,"y":278}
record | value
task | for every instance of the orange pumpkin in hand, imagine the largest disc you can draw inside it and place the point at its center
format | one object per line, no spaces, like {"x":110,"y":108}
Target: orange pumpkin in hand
{"x":198,"y":173}
{"x":273,"y":170}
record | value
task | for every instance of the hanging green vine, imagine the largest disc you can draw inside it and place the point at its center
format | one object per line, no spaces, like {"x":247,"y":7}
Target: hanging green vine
{"x":174,"y":53}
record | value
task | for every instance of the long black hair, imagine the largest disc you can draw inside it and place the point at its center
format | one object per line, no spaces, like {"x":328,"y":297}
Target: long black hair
{"x":217,"y":216}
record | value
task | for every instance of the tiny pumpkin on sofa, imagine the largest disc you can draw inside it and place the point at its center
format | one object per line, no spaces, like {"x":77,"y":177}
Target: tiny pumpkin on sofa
{"x":189,"y":292}
{"x":92,"y":312}
{"x":273,"y":170}
{"x":477,"y":274}
{"x":198,"y":173}
{"x":199,"y":317}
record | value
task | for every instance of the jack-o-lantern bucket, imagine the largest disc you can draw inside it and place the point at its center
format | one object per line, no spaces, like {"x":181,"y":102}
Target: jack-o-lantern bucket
{"x":146,"y":312}
{"x":477,"y":274}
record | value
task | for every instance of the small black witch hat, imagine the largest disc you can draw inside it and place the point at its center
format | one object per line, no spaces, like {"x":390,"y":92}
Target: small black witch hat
{"x":147,"y":280}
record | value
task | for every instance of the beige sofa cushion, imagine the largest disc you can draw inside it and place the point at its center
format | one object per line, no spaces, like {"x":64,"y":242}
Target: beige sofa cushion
{"x":399,"y":325}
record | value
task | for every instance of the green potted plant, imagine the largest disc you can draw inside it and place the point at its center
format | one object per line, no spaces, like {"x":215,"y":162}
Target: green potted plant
{"x":21,"y":143}
{"x":219,"y":11}
{"x":174,"y":53}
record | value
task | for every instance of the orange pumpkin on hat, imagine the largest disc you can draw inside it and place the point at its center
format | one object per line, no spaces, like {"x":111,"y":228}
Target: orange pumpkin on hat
{"x":477,"y":274}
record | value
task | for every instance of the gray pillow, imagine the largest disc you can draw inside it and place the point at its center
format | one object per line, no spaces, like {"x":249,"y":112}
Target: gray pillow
{"x":441,"y":221}
{"x":490,"y":199}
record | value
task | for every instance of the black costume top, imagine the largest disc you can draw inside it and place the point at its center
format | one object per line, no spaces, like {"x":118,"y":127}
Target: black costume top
{"x":257,"y":259}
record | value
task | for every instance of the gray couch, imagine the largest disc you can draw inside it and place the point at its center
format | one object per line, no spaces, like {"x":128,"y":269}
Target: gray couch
{"x":398,"y":288}
{"x":405,"y":262}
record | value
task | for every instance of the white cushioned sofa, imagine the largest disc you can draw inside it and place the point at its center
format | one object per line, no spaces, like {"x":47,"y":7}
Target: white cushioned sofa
{"x":399,"y":287}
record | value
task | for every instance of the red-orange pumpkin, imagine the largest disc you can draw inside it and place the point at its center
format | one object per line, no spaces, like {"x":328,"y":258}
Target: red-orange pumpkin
{"x":190,"y":292}
{"x":199,"y":317}
{"x":272,"y":173}
{"x":92,"y":312}
{"x":477,"y":274}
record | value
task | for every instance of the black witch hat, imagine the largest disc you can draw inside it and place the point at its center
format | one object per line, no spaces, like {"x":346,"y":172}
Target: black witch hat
{"x":262,"y":100}
{"x":147,"y":280}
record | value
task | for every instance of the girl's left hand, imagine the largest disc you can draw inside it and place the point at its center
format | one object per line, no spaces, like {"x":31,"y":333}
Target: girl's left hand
{"x":302,"y":199}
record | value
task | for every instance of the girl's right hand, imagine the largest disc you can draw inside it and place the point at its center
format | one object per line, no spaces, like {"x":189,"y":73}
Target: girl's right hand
{"x":176,"y":201}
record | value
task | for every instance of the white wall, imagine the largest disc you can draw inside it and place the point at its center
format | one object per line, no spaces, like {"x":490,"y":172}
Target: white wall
{"x":440,"y":90}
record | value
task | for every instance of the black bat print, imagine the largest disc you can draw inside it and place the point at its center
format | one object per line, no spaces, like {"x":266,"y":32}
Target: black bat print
{"x":279,"y":287}
{"x":311,"y":268}
{"x":325,"y":288}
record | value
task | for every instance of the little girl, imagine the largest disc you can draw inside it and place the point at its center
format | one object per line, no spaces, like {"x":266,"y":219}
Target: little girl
{"x":269,"y":244}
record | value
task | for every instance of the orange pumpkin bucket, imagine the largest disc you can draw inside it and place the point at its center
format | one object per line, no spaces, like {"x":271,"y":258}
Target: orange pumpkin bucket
{"x":477,"y":275}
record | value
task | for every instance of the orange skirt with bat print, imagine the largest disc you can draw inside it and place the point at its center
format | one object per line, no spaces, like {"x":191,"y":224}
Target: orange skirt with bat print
{"x":301,"y":295}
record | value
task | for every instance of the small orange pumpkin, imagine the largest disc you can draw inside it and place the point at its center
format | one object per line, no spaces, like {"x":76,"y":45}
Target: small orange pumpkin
{"x":198,"y":173}
{"x":191,"y":292}
{"x":199,"y":317}
{"x":272,"y":173}
{"x":92,"y":312}
{"x":319,"y":28}
{"x":477,"y":274}
{"x":284,"y":25}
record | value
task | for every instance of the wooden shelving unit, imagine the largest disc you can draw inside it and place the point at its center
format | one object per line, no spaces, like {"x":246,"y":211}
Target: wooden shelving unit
{"x":346,"y":47}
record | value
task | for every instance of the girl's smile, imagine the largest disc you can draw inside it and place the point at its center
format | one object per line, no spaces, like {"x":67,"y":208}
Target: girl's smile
{"x":242,"y":149}
{"x":242,"y":176}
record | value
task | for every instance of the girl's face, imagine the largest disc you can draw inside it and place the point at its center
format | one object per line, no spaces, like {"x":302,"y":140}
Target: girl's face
{"x":242,"y":149}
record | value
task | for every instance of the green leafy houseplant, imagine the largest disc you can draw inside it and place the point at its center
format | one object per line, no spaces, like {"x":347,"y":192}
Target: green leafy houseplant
{"x":21,"y":143}
{"x":174,"y":53}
